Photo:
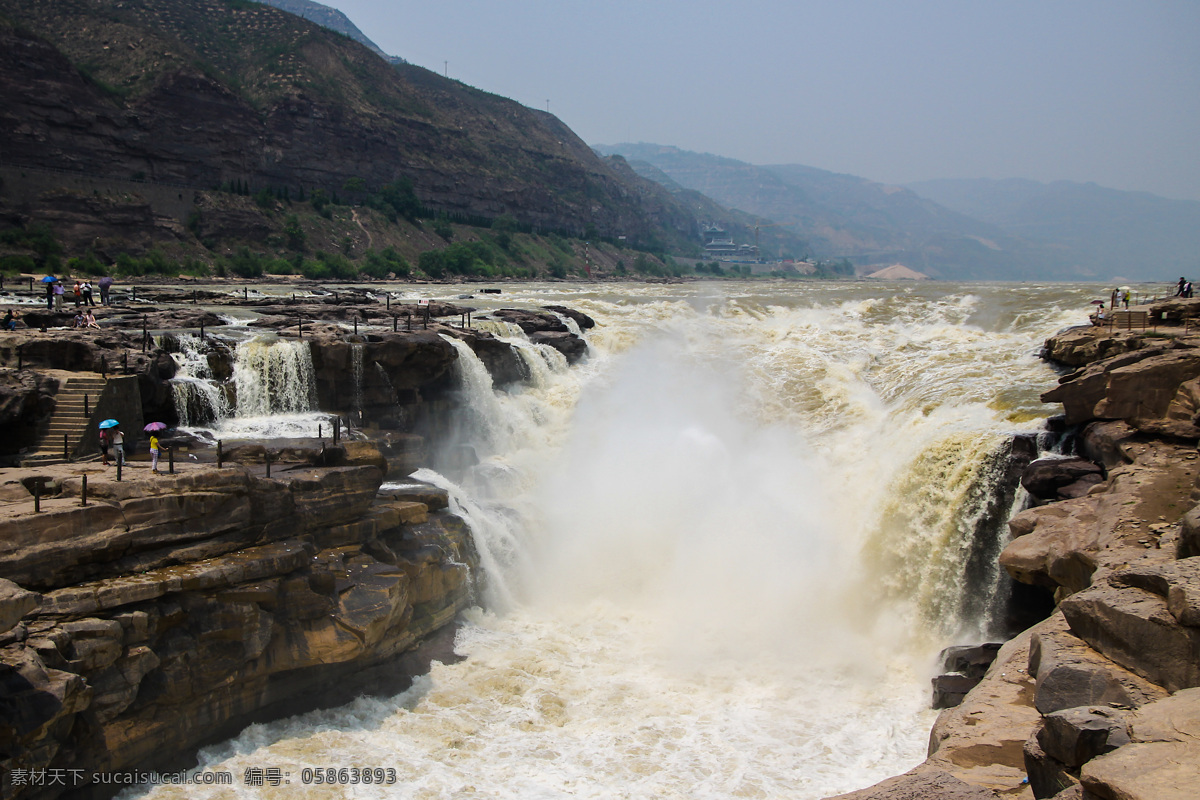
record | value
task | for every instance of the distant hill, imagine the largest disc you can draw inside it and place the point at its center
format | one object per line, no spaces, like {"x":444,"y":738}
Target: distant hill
{"x":843,"y":216}
{"x":1134,"y":234}
{"x":775,"y":240}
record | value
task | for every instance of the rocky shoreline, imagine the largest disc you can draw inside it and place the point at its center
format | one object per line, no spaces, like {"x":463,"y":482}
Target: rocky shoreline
{"x":1101,"y":700}
{"x":144,"y":616}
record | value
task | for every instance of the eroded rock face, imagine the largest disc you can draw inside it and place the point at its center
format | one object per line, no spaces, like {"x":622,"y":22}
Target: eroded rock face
{"x":281,"y":597}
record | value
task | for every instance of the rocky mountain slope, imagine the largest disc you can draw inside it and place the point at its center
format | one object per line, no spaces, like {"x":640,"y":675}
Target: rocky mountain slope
{"x":230,"y":92}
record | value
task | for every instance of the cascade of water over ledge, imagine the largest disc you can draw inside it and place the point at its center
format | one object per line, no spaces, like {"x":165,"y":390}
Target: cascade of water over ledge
{"x":721,"y":553}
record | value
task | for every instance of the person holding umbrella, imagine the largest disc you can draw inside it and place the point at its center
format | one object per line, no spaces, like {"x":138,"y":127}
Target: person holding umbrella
{"x":153,"y":428}
{"x":49,"y":281}
{"x":117,"y":438}
{"x":105,"y":283}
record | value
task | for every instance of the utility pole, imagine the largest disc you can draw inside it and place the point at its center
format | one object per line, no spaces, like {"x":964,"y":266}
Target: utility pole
{"x":446,"y":69}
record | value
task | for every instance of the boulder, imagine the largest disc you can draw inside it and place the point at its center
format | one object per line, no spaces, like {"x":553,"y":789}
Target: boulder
{"x":568,"y":344}
{"x":531,"y":321}
{"x":1056,"y":545}
{"x":1074,"y":736}
{"x":1107,"y":443}
{"x":582,"y":320}
{"x":1149,"y":771}
{"x":1047,"y":477}
{"x":1178,"y":582}
{"x":1163,"y":760}
{"x":1069,"y":673}
{"x":15,"y":603}
{"x":1134,"y":628}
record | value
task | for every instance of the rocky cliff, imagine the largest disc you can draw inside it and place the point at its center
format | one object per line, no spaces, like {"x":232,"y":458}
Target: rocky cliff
{"x":164,"y":614}
{"x":1101,"y":700}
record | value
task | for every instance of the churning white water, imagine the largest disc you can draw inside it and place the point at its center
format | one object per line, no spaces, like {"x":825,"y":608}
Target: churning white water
{"x":720,"y":554}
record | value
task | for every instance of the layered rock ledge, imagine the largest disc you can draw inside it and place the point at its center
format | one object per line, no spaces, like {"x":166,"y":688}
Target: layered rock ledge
{"x":1101,"y":700}
{"x":169,"y":613}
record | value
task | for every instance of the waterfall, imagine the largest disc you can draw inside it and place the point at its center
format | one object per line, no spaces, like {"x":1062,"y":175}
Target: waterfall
{"x":197,"y":397}
{"x":273,"y":376}
{"x":721,"y":554}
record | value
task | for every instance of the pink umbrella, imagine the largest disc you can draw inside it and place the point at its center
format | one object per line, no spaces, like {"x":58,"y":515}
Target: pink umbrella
{"x":155,"y":426}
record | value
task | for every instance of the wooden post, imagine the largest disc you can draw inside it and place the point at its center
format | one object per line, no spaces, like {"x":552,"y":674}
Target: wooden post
{"x":120,"y":463}
{"x":268,"y":458}
{"x":220,"y":455}
{"x":193,"y":297}
{"x":31,"y":284}
{"x":83,"y":492}
{"x":388,"y":296}
{"x":37,"y":495}
{"x":394,"y":322}
{"x":245,"y":292}
{"x":171,"y":460}
{"x":202,"y":331}
{"x":410,"y":320}
{"x":301,"y":327}
{"x":356,"y":326}
{"x":133,"y":293}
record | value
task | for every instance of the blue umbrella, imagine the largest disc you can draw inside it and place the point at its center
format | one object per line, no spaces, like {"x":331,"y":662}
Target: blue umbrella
{"x":109,"y":423}
{"x":49,"y":279}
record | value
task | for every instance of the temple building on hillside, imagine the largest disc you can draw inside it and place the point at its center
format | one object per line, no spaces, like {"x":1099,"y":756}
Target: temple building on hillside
{"x":719,"y":245}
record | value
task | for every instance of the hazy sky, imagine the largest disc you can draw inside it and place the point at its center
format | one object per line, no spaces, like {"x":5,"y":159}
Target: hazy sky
{"x":896,"y":91}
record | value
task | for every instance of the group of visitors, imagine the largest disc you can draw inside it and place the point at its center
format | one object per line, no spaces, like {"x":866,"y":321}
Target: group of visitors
{"x":114,"y":438}
{"x":1184,"y":289}
{"x":82,"y":292}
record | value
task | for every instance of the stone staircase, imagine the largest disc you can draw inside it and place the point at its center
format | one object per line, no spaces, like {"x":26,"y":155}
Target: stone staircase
{"x":68,"y":419}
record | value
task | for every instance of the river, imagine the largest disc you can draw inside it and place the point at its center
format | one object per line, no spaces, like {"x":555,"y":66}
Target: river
{"x":721,"y":554}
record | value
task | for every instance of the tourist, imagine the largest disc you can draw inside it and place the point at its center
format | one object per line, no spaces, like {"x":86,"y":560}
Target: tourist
{"x":1179,"y":289}
{"x":1187,"y":290}
{"x":58,"y":295}
{"x":78,"y":293}
{"x":1125,"y":297}
{"x":49,"y":295}
{"x":79,"y":321}
{"x":154,"y":453}
{"x":88,"y":300}
{"x":118,"y":443}
{"x":89,"y":320}
{"x":105,"y":284}
{"x":10,"y":320}
{"x":104,"y":446}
